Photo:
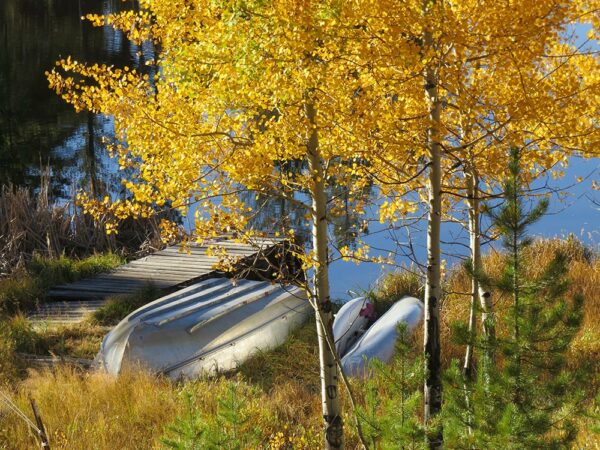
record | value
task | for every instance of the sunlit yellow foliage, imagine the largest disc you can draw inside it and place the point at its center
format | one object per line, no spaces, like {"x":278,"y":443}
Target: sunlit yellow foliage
{"x":228,"y":104}
{"x":510,"y":75}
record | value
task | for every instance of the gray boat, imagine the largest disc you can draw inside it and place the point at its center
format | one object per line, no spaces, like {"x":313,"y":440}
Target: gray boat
{"x":211,"y":326}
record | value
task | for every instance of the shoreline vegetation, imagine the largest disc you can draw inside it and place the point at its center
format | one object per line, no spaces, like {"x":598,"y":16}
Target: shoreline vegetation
{"x":271,"y":401}
{"x":34,"y":224}
{"x":308,"y":121}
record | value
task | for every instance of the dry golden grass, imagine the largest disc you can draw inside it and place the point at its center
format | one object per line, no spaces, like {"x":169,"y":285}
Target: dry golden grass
{"x":583,"y":271}
{"x":92,"y":411}
{"x":395,"y":285}
{"x":72,"y":340}
{"x":76,"y":341}
{"x":281,"y":388}
{"x":85,"y":411}
{"x":296,"y":360}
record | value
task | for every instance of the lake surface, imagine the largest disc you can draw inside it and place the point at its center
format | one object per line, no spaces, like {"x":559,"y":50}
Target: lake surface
{"x":37,"y":129}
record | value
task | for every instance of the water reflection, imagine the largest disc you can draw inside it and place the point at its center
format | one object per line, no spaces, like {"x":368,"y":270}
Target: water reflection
{"x":37,"y":127}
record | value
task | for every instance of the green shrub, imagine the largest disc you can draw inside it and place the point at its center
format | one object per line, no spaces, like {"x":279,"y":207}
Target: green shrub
{"x":390,"y":414}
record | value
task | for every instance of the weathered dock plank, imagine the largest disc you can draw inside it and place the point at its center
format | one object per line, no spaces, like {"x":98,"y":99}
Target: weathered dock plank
{"x":165,"y":269}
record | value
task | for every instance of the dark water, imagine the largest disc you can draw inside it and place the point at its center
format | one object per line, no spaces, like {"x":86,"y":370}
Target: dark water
{"x":37,"y":129}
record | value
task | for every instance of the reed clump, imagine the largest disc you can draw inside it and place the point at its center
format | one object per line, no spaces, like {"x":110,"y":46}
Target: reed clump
{"x":32,"y":223}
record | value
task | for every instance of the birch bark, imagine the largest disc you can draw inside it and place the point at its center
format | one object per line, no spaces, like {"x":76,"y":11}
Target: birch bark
{"x":478,"y":294}
{"x":433,"y":381}
{"x":334,"y":431}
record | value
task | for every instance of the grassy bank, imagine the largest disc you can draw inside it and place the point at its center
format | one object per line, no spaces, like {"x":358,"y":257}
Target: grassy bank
{"x":26,"y":288}
{"x":584,"y":276}
{"x":272,"y":402}
{"x":277,"y":405}
{"x":73,"y":340}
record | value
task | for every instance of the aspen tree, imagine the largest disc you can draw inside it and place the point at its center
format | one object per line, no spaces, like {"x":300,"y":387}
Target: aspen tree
{"x":521,"y":115}
{"x":357,"y":92}
{"x":433,"y":284}
{"x":242,"y":87}
{"x":492,"y":76}
{"x":517,"y":115}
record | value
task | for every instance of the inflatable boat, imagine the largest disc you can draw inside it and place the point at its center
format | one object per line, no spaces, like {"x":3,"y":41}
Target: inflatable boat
{"x":359,"y":339}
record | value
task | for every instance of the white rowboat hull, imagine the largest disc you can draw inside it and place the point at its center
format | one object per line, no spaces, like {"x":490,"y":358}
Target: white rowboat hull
{"x":349,"y":324}
{"x":210,"y":326}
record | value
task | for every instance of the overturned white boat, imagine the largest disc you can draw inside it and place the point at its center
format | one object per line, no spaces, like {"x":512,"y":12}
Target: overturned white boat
{"x":210,"y":326}
{"x":361,"y":343}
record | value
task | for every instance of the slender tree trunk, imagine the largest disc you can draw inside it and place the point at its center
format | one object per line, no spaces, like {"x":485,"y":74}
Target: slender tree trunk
{"x":332,"y":413}
{"x":516,"y":290}
{"x":433,"y":382}
{"x":475,"y":246}
{"x":468,"y":371}
{"x":478,"y":294}
{"x":90,"y":159}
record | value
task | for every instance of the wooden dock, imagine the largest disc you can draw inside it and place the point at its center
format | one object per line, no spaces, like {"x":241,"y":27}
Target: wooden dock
{"x":167,"y":269}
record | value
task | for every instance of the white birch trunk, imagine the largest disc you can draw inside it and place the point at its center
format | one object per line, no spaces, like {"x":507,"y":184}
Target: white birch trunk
{"x":433,"y":382}
{"x":332,"y":413}
{"x":474,"y":244}
{"x":478,"y":294}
